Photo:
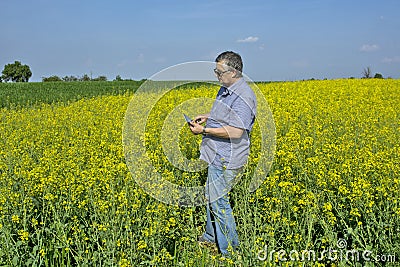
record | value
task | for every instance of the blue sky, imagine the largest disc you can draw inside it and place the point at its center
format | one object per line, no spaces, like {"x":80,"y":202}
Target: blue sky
{"x":278,"y":40}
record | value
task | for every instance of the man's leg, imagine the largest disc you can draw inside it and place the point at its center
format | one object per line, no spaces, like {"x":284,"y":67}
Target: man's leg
{"x":209,"y":235}
{"x":225,"y":226}
{"x":218,"y":185}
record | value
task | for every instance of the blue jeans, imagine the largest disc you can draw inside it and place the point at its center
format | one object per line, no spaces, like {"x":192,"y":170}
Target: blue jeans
{"x":221,"y":226}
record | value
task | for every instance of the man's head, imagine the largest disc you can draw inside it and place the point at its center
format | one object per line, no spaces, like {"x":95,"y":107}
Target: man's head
{"x":228,"y":68}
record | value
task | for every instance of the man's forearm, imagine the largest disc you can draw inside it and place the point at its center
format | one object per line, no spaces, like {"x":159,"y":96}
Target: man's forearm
{"x":227,"y":132}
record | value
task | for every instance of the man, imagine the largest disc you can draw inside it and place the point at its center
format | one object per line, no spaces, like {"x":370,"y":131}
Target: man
{"x":225,"y":147}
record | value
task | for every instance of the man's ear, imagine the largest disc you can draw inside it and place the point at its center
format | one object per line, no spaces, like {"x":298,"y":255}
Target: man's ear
{"x":235,"y":74}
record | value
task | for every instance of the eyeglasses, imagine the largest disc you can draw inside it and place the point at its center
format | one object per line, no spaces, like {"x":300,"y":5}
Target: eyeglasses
{"x":220,"y":73}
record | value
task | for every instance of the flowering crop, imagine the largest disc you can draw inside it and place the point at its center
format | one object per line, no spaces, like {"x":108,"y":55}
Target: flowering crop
{"x":67,"y":197}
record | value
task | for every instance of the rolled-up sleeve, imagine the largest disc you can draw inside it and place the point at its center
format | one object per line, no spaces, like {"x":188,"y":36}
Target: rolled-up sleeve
{"x":242,"y":113}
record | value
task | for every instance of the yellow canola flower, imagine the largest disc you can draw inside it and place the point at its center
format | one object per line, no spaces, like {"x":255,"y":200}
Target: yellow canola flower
{"x":23,"y":235}
{"x":337,"y":162}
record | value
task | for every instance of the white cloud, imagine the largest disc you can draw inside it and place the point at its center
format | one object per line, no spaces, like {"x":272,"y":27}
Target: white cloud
{"x":250,"y":39}
{"x":369,"y":47}
{"x":391,"y":60}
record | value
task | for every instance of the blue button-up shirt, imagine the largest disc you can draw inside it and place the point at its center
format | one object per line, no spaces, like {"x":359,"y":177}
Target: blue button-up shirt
{"x":234,"y":106}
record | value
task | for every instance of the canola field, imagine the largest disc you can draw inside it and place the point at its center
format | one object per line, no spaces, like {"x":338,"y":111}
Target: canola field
{"x":331,"y":198}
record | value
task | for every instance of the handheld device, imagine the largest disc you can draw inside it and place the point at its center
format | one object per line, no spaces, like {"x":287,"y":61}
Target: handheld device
{"x":188,"y":120}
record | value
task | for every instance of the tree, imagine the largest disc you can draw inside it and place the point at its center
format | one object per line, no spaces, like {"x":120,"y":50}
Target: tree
{"x":85,"y":78}
{"x":70,"y":78}
{"x":100,"y":78}
{"x":367,"y":73}
{"x":53,"y":78}
{"x":378,"y":76}
{"x":16,"y":72}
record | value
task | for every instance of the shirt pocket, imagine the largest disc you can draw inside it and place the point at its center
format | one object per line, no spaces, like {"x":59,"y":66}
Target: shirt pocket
{"x":221,"y":113}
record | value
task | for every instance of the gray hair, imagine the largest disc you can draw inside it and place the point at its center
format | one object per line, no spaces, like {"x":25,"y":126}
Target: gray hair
{"x":232,"y":60}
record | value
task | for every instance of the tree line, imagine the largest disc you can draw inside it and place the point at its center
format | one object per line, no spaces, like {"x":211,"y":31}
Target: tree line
{"x":16,"y":72}
{"x":71,"y":78}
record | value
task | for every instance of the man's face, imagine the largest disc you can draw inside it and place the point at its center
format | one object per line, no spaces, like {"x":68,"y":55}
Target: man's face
{"x":224,"y":74}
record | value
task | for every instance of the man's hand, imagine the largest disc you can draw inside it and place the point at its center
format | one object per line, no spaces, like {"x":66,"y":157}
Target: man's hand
{"x":227,"y":132}
{"x":195,"y":127}
{"x":201,"y":118}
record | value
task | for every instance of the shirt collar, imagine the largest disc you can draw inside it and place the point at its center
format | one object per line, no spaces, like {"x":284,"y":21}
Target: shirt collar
{"x":234,"y":86}
{"x":225,"y":92}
